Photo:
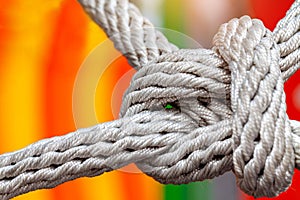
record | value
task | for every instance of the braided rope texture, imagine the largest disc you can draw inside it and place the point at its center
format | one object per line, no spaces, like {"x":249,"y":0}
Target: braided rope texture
{"x":227,"y":112}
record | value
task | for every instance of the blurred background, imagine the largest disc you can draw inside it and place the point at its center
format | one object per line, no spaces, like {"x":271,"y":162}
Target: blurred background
{"x":42,"y":47}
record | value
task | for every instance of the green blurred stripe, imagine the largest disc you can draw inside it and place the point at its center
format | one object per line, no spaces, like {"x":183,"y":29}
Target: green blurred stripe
{"x":192,"y":191}
{"x":200,"y":191}
{"x":175,"y":192}
{"x":173,"y":16}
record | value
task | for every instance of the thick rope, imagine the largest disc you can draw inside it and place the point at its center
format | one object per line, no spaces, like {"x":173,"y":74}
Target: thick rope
{"x":226,"y":111}
{"x":89,"y":152}
{"x":132,"y":33}
{"x":263,"y":157}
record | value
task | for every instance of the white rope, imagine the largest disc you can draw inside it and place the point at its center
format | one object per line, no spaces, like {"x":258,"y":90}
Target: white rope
{"x":131,"y":33}
{"x":226,"y":110}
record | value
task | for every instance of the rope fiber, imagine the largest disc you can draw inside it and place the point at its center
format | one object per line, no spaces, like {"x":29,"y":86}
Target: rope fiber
{"x":226,"y":110}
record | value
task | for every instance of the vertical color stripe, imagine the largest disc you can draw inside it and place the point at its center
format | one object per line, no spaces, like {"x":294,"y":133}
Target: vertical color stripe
{"x":173,"y":19}
{"x":65,"y":55}
{"x":270,"y":11}
{"x":21,"y":102}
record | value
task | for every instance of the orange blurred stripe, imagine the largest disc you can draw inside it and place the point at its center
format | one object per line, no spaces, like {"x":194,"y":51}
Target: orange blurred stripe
{"x":65,"y":57}
{"x":134,"y":186}
{"x":5,"y":29}
{"x":130,"y":185}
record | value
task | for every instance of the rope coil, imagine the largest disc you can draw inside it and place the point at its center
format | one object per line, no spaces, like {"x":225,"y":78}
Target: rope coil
{"x":227,"y":110}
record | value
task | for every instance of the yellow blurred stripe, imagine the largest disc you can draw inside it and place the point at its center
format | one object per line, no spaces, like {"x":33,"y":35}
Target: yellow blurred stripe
{"x":21,"y":78}
{"x":95,"y":36}
{"x":22,"y":73}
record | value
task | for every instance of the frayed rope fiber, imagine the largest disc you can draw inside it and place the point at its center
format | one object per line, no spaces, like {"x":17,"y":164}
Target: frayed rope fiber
{"x":188,"y":114}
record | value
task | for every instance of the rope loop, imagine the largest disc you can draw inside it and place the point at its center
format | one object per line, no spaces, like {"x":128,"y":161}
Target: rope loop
{"x":188,"y":114}
{"x":263,"y":156}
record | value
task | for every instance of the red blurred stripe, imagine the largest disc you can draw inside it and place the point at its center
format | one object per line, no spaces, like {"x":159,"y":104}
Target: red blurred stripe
{"x":271,"y":11}
{"x":65,"y":57}
{"x":290,"y":87}
{"x":6,"y":30}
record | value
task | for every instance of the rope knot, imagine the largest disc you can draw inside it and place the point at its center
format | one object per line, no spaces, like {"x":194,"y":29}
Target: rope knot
{"x":195,"y":90}
{"x":188,"y":115}
{"x":256,"y":140}
{"x":263,"y":156}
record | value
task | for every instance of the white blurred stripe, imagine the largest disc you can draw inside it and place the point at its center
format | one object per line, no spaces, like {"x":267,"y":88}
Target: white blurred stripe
{"x":296,"y":97}
{"x":152,"y":9}
{"x":224,"y":187}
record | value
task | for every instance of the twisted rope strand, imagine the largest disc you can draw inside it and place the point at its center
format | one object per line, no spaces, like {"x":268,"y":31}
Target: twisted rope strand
{"x":87,"y":152}
{"x":286,"y":35}
{"x":228,"y":110}
{"x":132,"y":34}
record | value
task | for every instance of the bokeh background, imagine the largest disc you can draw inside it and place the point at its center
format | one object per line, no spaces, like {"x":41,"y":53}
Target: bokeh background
{"x":43,"y":44}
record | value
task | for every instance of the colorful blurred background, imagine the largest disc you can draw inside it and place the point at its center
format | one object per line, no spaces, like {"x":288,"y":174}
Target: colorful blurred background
{"x":43,"y":45}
